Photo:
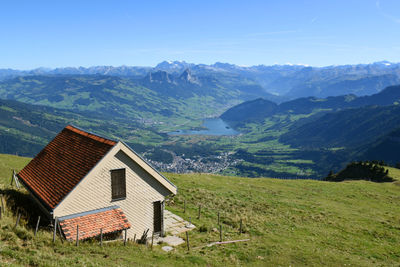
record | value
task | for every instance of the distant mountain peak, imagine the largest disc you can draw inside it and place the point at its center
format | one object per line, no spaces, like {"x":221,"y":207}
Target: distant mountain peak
{"x":187,"y":76}
{"x":383,"y":62}
{"x":173,"y":66}
{"x":223,"y":65}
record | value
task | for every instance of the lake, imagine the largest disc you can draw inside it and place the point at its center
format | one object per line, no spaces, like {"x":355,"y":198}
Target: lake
{"x":215,"y":126}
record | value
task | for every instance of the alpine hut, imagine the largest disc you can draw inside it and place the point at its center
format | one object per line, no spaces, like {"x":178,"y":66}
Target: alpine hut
{"x":96,"y":183}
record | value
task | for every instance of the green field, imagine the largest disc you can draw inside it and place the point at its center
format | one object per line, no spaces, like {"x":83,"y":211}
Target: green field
{"x":288,"y":222}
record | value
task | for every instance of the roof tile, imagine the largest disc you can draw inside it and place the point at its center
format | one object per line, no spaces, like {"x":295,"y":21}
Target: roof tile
{"x":66,"y":160}
{"x":90,"y":224}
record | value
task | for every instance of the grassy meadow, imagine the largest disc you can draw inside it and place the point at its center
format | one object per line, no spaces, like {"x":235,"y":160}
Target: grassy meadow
{"x":288,"y":222}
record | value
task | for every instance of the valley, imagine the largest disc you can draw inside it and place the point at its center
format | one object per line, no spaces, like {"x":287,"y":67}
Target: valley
{"x":217,"y":118}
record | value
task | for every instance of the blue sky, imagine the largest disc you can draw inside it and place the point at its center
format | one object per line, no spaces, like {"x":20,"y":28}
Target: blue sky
{"x":86,"y":33}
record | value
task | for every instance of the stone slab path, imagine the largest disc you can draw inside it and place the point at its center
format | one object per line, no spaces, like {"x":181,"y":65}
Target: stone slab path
{"x":174,"y":225}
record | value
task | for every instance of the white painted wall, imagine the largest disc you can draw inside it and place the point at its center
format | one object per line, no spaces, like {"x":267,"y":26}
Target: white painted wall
{"x":94,"y":191}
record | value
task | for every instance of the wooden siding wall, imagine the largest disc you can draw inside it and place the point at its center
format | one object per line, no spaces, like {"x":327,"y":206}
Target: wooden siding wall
{"x":94,"y":192}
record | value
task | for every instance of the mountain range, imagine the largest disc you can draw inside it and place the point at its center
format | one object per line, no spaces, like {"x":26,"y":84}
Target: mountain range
{"x":282,"y":81}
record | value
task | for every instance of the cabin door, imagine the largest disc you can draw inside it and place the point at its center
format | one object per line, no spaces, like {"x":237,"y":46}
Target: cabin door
{"x":158,"y":217}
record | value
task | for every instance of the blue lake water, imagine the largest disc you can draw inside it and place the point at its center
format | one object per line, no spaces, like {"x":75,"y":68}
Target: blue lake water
{"x":215,"y":126}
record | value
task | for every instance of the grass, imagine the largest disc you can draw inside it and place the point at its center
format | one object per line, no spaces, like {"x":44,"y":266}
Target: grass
{"x":7,"y":164}
{"x":289,"y":223}
{"x":394,"y":173}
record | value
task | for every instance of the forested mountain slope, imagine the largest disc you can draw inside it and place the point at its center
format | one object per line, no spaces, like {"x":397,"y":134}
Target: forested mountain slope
{"x":349,"y":127}
{"x":25,"y":129}
{"x":258,"y":110}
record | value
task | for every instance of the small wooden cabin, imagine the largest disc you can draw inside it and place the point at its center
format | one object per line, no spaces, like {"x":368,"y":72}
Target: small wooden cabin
{"x":96,"y":183}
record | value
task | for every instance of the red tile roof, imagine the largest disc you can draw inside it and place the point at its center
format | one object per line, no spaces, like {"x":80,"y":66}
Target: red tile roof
{"x":90,"y":223}
{"x":59,"y":167}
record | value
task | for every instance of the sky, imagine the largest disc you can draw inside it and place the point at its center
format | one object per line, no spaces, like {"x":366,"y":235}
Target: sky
{"x":143,"y":33}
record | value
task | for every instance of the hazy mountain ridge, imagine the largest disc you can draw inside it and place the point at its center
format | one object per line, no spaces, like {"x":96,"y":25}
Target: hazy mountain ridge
{"x":287,"y":81}
{"x":95,"y":70}
{"x":293,"y":81}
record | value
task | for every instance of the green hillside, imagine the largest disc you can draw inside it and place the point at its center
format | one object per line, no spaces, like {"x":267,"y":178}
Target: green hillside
{"x":250,"y":111}
{"x":160,"y":100}
{"x":288,"y":222}
{"x":394,"y":173}
{"x":26,"y":128}
{"x":386,"y":148}
{"x":349,"y":127}
{"x":260,"y":109}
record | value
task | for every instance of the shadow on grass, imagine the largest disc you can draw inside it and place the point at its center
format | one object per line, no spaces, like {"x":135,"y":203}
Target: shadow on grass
{"x":18,"y":202}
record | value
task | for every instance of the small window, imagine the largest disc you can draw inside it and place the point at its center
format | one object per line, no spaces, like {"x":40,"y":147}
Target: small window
{"x":118,"y":184}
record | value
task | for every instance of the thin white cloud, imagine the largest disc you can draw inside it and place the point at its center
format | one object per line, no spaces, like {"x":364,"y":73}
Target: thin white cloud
{"x":385,"y":14}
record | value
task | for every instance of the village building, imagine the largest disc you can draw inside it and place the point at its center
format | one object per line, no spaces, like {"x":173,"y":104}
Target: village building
{"x":96,"y":183}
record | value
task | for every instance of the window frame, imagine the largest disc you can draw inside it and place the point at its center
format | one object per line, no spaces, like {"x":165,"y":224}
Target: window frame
{"x":120,"y":196}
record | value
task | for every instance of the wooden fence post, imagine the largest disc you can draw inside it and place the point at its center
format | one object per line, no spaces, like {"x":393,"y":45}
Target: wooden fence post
{"x":54,"y":231}
{"x":12,"y":178}
{"x":77,"y":235}
{"x":134,"y":238}
{"x":187,"y":240}
{"x":2,"y":203}
{"x":240,"y":229}
{"x":16,"y":179}
{"x":218,"y":218}
{"x":152,"y":240}
{"x":37,"y":225}
{"x":101,"y":237}
{"x":125,"y":237}
{"x":59,"y":231}
{"x":220,"y":233}
{"x":18,"y":218}
{"x":199,"y":211}
{"x":3,"y":206}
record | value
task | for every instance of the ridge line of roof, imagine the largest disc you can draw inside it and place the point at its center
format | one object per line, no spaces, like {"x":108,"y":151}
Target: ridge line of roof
{"x":91,"y":135}
{"x":148,"y":163}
